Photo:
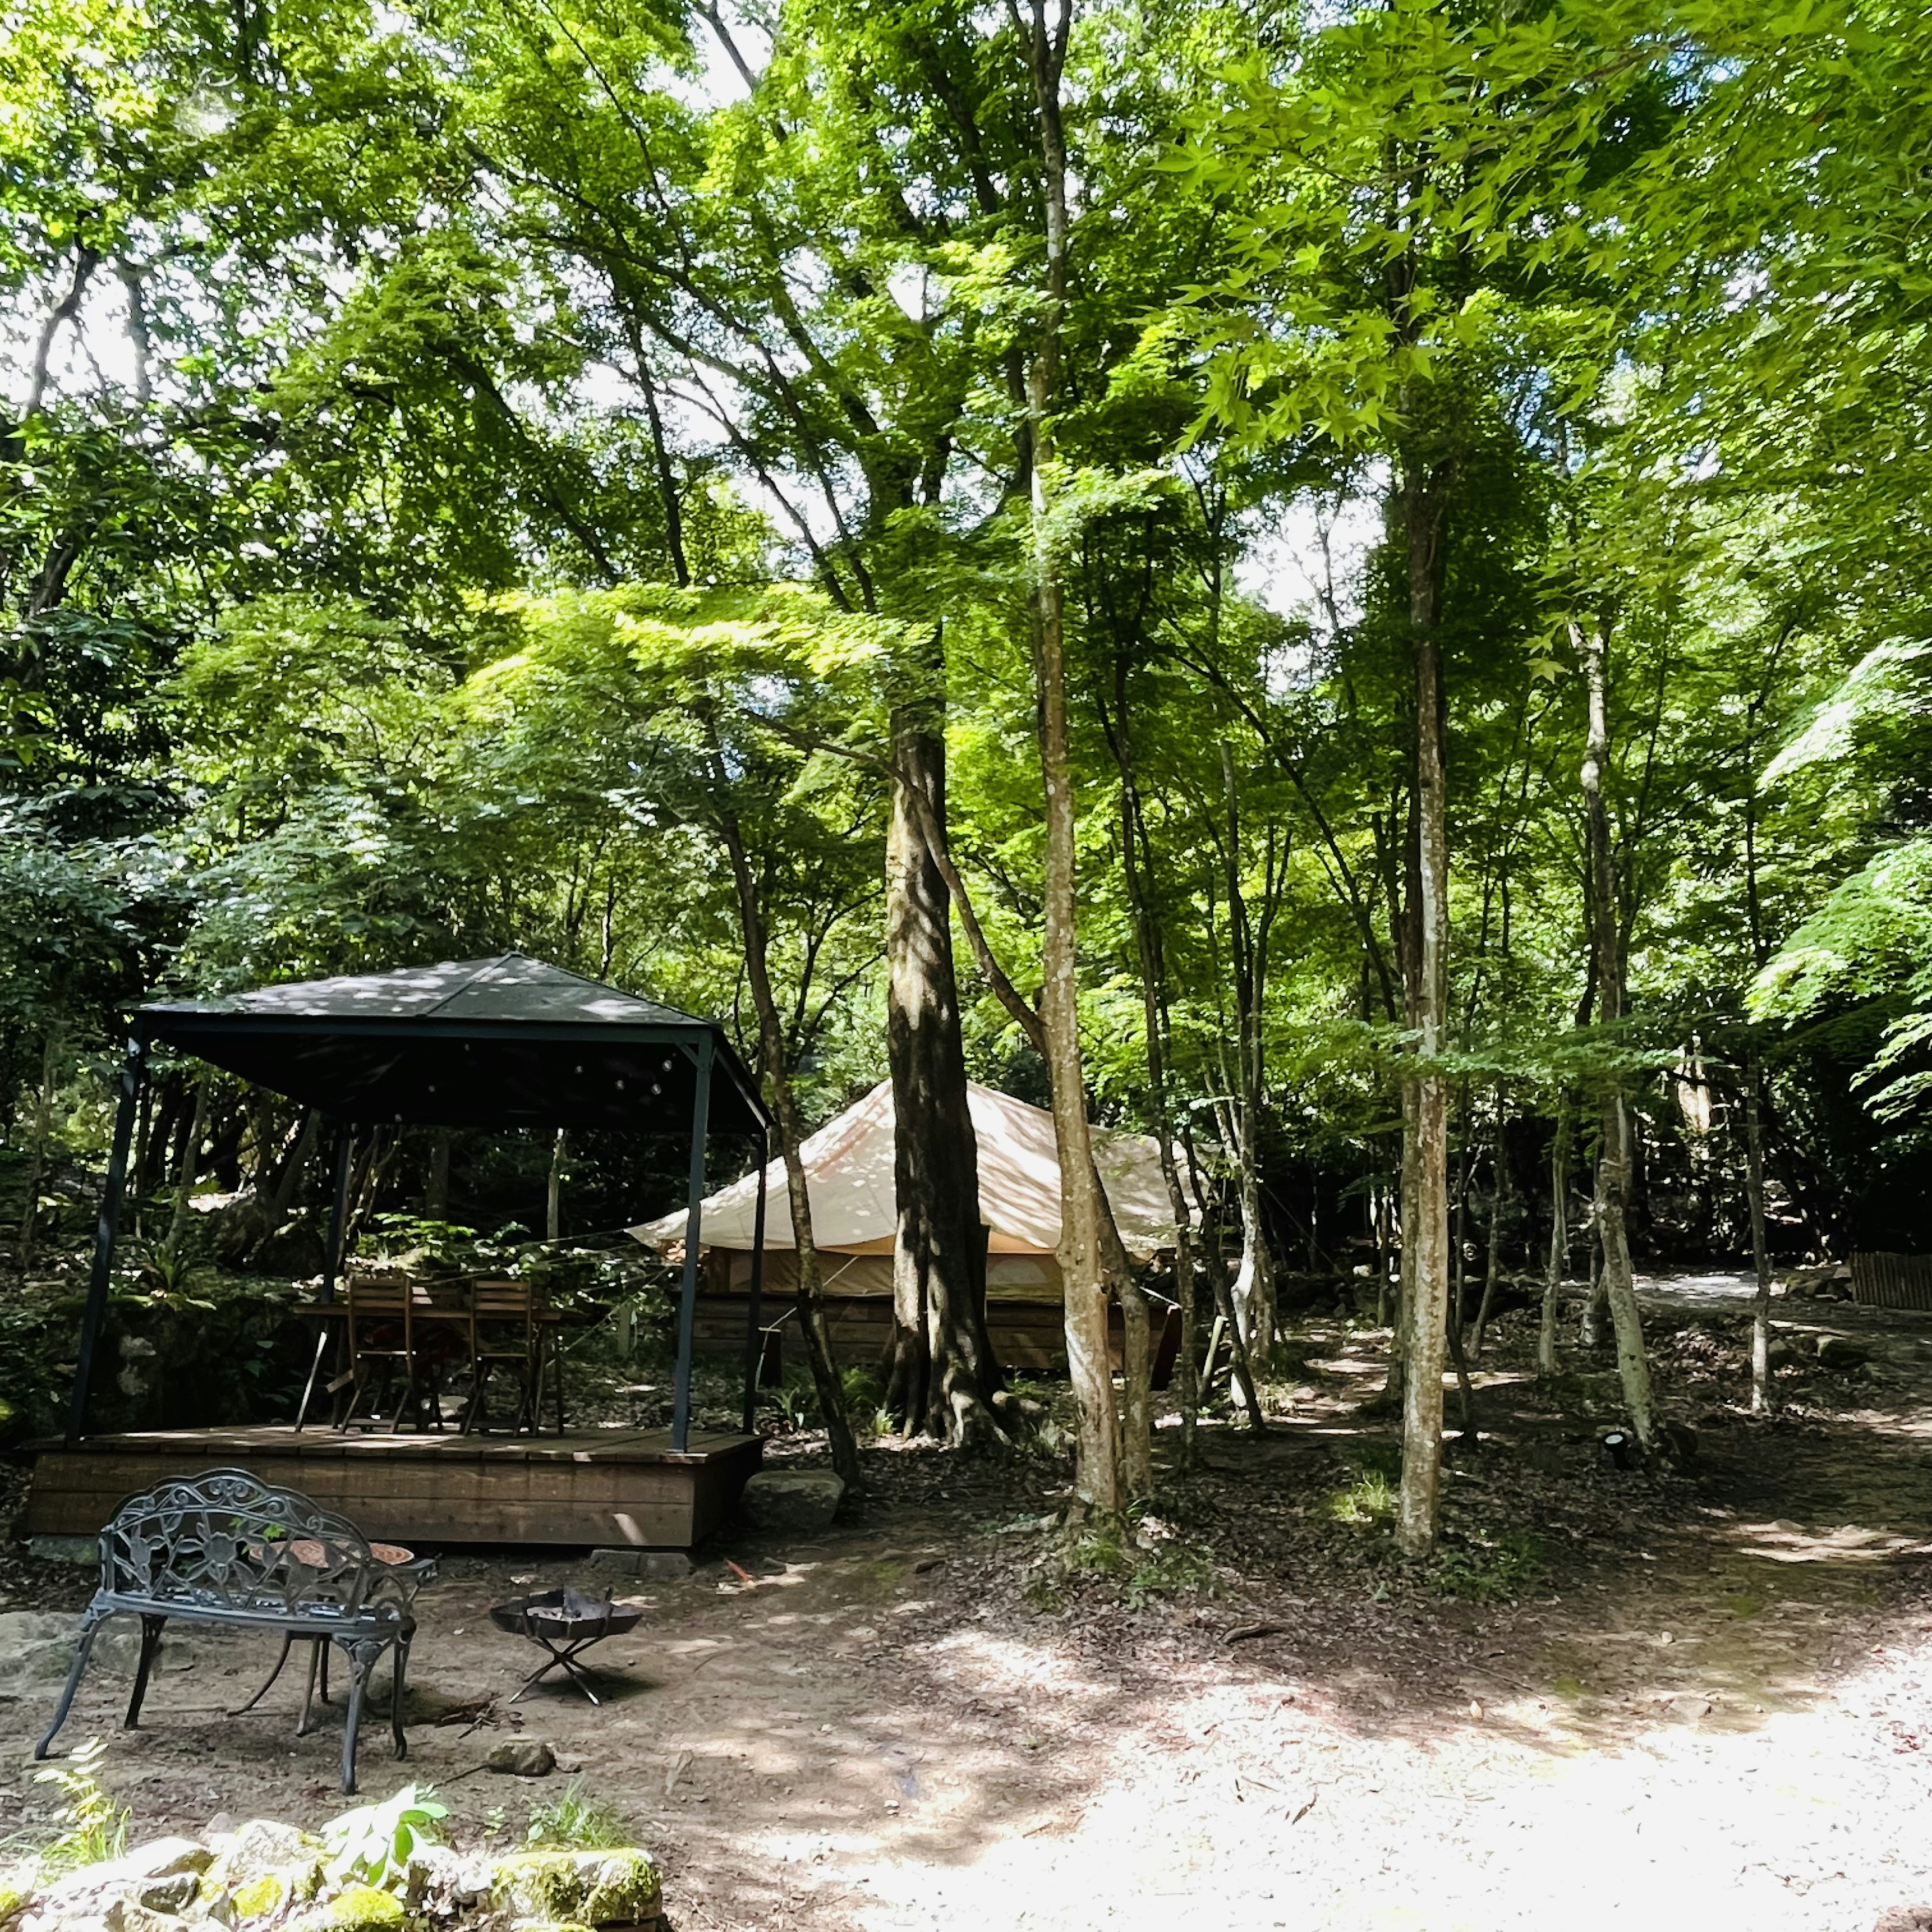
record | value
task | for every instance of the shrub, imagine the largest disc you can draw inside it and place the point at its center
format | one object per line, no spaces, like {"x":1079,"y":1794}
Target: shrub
{"x":94,"y":1827}
{"x":574,"y":1818}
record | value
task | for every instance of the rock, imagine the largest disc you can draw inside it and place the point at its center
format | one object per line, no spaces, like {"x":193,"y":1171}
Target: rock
{"x":1905,"y":1919}
{"x":1841,"y":1351}
{"x":357,"y":1908}
{"x":129,"y":1894}
{"x":1019,"y":1414}
{"x":261,"y":1849}
{"x":1781,"y":1355}
{"x":261,"y":1898}
{"x":522,"y":1757}
{"x":65,"y":1549}
{"x":609,"y":1888}
{"x":800,"y":1499}
{"x":174,"y":1893}
{"x":37,"y":1647}
{"x":654,"y":1566}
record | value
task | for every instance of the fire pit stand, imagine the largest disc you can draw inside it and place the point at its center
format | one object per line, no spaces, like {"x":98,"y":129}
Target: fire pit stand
{"x":566,"y":1622}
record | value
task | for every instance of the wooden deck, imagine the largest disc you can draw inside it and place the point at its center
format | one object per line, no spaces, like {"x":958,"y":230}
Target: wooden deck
{"x":600,"y":1487}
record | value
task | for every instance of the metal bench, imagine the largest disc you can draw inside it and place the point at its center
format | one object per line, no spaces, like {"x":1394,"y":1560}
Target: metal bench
{"x":226,"y":1549}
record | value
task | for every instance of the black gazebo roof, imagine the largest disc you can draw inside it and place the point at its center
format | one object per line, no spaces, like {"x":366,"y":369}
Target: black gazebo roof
{"x":510,"y":1041}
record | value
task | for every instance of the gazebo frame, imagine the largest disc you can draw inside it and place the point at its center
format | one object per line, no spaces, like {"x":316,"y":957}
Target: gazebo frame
{"x":512,"y":1042}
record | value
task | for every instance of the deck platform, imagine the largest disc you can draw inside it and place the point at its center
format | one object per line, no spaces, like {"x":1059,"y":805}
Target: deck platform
{"x":600,"y":1487}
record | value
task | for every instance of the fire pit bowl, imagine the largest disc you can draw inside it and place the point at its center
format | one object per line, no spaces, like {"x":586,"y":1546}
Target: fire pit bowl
{"x":566,"y":1623}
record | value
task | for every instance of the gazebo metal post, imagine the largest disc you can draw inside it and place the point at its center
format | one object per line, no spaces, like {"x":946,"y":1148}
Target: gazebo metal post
{"x":331,"y":1253}
{"x":753,"y":1341}
{"x":687,"y":1306}
{"x":133,"y":1070}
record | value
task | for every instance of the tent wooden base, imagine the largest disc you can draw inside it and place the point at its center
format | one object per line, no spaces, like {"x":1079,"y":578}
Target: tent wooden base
{"x":600,"y":1487}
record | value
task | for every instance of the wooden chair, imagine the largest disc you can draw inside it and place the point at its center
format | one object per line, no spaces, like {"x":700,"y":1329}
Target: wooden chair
{"x":504,"y":1334}
{"x":381,"y":1335}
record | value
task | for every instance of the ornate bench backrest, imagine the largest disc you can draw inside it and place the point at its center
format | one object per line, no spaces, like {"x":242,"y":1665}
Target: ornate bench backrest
{"x":226,"y":1540}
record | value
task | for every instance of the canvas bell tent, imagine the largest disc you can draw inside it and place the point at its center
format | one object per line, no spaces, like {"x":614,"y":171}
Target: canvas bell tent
{"x":848,"y":1165}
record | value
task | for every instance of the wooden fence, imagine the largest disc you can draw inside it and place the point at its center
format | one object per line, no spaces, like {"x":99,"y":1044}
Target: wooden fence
{"x":1892,"y":1281}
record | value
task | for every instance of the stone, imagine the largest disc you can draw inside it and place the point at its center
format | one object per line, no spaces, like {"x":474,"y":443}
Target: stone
{"x":64,"y":1549}
{"x":174,"y":1893}
{"x":261,"y":1898}
{"x":261,"y":1848}
{"x":1905,"y":1919}
{"x":605,"y":1888}
{"x":1841,"y":1351}
{"x":37,"y":1647}
{"x":522,"y":1757}
{"x":1781,"y":1355}
{"x":793,"y":1499}
{"x":124,"y":1895}
{"x":357,"y":1908}
{"x":654,"y":1566}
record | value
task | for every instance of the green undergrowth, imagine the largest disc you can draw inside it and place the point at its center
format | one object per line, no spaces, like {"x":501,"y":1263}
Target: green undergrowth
{"x":575,"y":1820}
{"x":1487,"y":1569}
{"x":1142,"y":1558}
{"x":93,"y":1827}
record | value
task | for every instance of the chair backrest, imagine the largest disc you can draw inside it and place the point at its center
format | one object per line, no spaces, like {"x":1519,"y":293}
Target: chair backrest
{"x":503,"y":1301}
{"x":224,"y":1541}
{"x":371,"y":1298}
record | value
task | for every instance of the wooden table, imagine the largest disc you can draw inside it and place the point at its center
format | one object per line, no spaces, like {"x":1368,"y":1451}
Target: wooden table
{"x":426,"y":1306}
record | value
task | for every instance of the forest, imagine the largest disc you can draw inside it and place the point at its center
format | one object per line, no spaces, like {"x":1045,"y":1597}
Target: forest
{"x":1342,"y":586}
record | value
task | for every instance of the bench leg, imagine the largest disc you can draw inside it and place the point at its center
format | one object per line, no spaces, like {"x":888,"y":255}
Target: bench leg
{"x":318,"y":1660}
{"x":83,"y":1648}
{"x":151,"y":1627}
{"x":398,"y":1690}
{"x":288,"y":1644}
{"x":363,"y":1652}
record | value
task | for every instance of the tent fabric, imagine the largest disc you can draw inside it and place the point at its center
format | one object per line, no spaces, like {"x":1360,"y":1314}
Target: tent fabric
{"x":510,"y":1041}
{"x":849,"y":1172}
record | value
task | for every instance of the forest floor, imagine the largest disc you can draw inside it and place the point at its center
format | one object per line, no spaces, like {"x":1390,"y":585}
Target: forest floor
{"x":1661,"y":1700}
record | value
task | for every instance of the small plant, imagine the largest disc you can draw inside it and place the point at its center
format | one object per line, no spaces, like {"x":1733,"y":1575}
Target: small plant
{"x":168,"y":1278}
{"x":403,"y":1234}
{"x":1100,"y":1549}
{"x":1489,"y":1570}
{"x":1173,"y":1568}
{"x":1368,"y":1502}
{"x":373,"y":1844}
{"x":575,"y":1819}
{"x":94,"y":1827}
{"x":795,"y":1398}
{"x":1044,"y":1594}
{"x":492,"y":1821}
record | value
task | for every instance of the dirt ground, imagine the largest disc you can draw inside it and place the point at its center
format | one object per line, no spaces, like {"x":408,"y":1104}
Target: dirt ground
{"x":1707,"y":1701}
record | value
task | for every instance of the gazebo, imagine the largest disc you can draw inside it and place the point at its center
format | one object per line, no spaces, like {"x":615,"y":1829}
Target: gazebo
{"x":489,"y":1045}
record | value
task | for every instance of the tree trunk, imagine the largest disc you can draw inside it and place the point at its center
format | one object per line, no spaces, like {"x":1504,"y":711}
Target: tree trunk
{"x":941,"y":1372}
{"x":553,"y":1194}
{"x":44,"y":1124}
{"x":791,"y":1136}
{"x":191,"y":1165}
{"x":1498,"y":1200}
{"x":281,"y":1193}
{"x":1559,"y":1244}
{"x":1613,"y":1159}
{"x":1760,"y":1253}
{"x":435,"y":1196}
{"x":1425,"y":1236}
{"x":1082,"y":1263}
{"x":1255,"y":1300}
{"x":1148,"y":937}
